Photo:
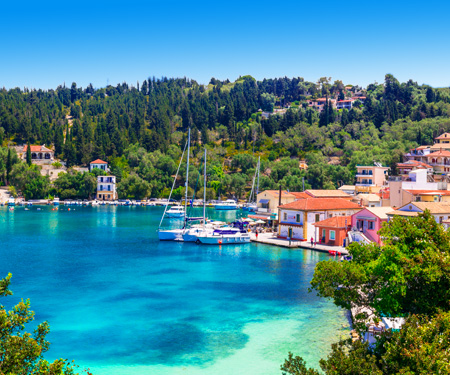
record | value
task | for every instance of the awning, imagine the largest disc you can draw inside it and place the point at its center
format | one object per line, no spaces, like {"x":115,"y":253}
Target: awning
{"x":260,"y":217}
{"x":264,"y":201}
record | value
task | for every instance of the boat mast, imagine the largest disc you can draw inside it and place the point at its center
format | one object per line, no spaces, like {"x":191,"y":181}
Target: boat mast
{"x":187,"y":178}
{"x":173,"y":185}
{"x":257,"y":185}
{"x":204,"y":194}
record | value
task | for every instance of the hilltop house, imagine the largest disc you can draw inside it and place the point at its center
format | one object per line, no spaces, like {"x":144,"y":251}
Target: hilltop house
{"x":296,"y":219}
{"x":100,"y":164}
{"x":38,"y":153}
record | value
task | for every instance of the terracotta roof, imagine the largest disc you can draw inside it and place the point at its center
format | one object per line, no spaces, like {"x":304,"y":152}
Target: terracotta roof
{"x":300,"y":195}
{"x":420,"y":148}
{"x":320,"y":204}
{"x":429,"y":192}
{"x":369,"y":197}
{"x":36,"y":148}
{"x":433,"y":207}
{"x":327,"y":194}
{"x":439,"y":153}
{"x":413,"y":163}
{"x":98,"y":161}
{"x":335,"y":222}
{"x":345,"y":101}
{"x":347,"y":187}
{"x":380,"y":212}
{"x":444,"y":136}
{"x":402,"y":213}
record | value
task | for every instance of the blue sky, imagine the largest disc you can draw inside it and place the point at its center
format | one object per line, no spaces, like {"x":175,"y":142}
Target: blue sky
{"x":44,"y":44}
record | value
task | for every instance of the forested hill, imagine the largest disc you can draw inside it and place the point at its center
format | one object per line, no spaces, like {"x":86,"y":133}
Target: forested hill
{"x":139,"y":128}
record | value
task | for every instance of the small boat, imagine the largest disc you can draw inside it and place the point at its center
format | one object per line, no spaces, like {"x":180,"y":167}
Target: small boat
{"x":11,"y":202}
{"x":229,"y":204}
{"x":171,"y":234}
{"x":56,"y":201}
{"x":175,"y":212}
{"x":334,"y":252}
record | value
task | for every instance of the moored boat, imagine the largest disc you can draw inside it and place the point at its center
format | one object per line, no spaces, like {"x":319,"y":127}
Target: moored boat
{"x":229,"y":204}
{"x":175,"y":212}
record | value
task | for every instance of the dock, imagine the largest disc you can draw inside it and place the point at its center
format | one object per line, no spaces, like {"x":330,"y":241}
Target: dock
{"x":271,"y":239}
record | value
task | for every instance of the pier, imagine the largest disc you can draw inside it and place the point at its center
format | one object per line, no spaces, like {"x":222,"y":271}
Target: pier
{"x":271,"y":239}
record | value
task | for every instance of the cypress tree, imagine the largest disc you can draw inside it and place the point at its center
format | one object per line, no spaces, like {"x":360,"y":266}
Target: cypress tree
{"x":28,"y":153}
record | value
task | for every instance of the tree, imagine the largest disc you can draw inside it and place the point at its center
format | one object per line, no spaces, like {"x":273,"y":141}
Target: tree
{"x":409,"y":274}
{"x":22,"y":352}
{"x":267,"y":102}
{"x":28,"y":153}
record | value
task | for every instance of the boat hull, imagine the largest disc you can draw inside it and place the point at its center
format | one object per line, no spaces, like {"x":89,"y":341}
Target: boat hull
{"x":224,"y":240}
{"x":170,"y":235}
{"x":175,"y":215}
{"x":225,"y":207}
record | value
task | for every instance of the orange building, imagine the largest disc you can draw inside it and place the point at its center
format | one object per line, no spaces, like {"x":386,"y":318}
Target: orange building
{"x":333,"y":231}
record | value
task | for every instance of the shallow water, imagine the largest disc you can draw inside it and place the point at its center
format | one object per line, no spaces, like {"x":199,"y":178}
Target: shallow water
{"x":120,"y":302}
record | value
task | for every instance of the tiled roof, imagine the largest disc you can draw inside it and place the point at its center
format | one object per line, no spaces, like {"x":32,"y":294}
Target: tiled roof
{"x":98,"y":161}
{"x":444,"y":136}
{"x":347,"y":187}
{"x":429,"y":192}
{"x":321,"y":204}
{"x":327,"y":194}
{"x":439,"y":153}
{"x":433,"y":207}
{"x":335,"y":222}
{"x":36,"y":148}
{"x":413,"y":163}
{"x":381,"y":212}
{"x":300,"y":195}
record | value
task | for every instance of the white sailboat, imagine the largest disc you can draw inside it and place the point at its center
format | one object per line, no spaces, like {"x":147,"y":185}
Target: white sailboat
{"x":176,"y":234}
{"x":191,"y":234}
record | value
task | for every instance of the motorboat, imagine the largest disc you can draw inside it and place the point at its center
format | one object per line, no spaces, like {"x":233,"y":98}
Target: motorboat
{"x":237,"y":233}
{"x":229,"y":204}
{"x":56,"y":201}
{"x":175,"y":212}
{"x":11,"y":202}
{"x":224,"y":237}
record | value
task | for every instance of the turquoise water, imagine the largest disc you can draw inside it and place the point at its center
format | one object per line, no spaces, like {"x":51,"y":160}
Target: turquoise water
{"x":120,"y":302}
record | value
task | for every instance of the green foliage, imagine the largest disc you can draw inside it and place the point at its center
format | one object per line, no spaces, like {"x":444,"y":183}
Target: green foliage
{"x":22,"y":352}
{"x":134,"y":187}
{"x":28,"y":153}
{"x":408,"y":276}
{"x":75,"y":185}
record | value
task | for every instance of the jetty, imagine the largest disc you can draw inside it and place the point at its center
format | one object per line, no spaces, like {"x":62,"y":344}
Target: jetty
{"x":272,"y":239}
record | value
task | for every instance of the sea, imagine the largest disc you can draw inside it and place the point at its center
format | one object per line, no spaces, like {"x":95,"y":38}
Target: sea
{"x":120,"y":302}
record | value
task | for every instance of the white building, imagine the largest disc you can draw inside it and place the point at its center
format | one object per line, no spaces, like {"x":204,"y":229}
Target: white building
{"x":296,"y":219}
{"x":100,"y":164}
{"x":106,"y":188}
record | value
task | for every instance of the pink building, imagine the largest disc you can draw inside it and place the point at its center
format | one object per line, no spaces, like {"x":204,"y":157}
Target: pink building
{"x":369,"y":221}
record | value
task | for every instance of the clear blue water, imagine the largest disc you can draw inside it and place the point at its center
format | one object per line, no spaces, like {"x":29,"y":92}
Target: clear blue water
{"x":120,"y":302}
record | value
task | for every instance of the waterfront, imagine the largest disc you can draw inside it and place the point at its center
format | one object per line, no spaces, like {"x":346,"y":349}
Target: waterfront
{"x":120,"y":302}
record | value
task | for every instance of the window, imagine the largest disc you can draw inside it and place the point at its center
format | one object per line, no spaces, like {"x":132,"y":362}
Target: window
{"x":332,"y":235}
{"x":285,"y":216}
{"x":317,"y":217}
{"x":330,"y":215}
{"x":99,"y":195}
{"x":297,"y":218}
{"x":441,"y":218}
{"x":371,"y":224}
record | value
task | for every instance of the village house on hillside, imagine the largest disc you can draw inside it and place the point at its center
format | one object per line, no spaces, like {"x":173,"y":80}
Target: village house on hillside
{"x":38,"y":153}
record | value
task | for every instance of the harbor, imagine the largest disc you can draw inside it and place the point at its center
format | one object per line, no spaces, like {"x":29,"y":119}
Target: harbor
{"x":237,"y":300}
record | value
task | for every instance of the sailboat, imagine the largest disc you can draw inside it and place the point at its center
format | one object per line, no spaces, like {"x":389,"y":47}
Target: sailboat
{"x":251,"y":204}
{"x":176,"y":234}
